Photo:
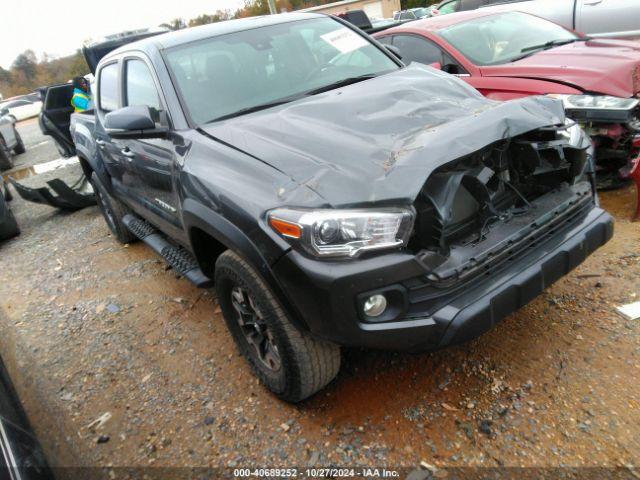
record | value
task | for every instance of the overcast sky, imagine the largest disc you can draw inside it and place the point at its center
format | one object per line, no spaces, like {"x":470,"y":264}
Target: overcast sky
{"x":59,"y":27}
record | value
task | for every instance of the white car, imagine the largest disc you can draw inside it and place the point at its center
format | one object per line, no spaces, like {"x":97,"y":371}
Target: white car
{"x":21,"y":109}
{"x":596,"y":18}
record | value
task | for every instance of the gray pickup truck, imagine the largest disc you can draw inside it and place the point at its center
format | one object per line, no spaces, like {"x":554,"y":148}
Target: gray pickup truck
{"x":333,"y":196}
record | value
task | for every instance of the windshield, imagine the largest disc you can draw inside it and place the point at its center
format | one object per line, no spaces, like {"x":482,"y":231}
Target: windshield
{"x":240,"y":72}
{"x":504,"y":38}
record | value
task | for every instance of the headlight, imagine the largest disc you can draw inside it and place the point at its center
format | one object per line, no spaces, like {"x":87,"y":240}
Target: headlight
{"x":596,"y":102}
{"x":343,"y":233}
{"x":573,"y":133}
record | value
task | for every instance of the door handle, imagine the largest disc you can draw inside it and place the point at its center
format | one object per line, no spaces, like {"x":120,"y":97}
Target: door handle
{"x":128,"y":153}
{"x":592,"y":2}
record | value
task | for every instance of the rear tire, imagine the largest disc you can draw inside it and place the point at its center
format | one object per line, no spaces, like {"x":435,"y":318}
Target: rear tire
{"x":6,"y":160}
{"x":19,"y":148}
{"x":289,"y":362}
{"x":113,"y":210}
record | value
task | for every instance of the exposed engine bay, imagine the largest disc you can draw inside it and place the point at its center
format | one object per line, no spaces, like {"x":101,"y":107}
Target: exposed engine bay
{"x":616,"y":147}
{"x":475,"y":213}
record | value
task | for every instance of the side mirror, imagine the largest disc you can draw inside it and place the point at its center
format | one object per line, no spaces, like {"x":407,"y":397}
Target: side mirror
{"x":4,"y":111}
{"x":394,"y":50}
{"x":133,"y":122}
{"x":451,"y":68}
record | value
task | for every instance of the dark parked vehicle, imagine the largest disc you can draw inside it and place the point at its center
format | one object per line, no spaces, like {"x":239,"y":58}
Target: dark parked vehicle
{"x":10,"y":141}
{"x":21,"y":456}
{"x":334,"y":197}
{"x":360,"y":19}
{"x":8,"y":224}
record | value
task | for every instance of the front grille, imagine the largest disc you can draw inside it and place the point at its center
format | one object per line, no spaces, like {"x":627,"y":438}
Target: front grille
{"x":430,"y":288}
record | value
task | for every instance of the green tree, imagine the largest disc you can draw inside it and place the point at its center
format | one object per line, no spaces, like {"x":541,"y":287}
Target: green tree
{"x":204,"y":19}
{"x":26,"y":65}
{"x":404,"y":4}
{"x":175,"y":24}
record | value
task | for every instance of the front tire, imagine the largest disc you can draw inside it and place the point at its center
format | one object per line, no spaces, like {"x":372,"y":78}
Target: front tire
{"x":113,"y":210}
{"x":289,"y":362}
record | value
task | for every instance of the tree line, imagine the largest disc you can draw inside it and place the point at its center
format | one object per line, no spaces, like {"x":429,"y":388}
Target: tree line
{"x":27,"y":72}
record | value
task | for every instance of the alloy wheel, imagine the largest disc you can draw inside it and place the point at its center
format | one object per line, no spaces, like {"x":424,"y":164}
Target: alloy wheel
{"x":255,"y":330}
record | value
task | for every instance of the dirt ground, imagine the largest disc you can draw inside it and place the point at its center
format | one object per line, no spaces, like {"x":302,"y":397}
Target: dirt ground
{"x":91,"y":327}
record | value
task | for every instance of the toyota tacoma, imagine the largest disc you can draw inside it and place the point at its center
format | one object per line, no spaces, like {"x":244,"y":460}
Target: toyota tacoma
{"x":333,"y":196}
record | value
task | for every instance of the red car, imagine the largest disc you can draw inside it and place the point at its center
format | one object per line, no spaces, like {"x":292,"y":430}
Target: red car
{"x":514,"y":54}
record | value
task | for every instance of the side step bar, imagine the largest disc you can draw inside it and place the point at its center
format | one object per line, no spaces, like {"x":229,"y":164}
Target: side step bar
{"x":180,"y":259}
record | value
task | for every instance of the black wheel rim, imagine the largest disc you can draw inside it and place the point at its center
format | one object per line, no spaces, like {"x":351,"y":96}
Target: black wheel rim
{"x":255,"y":330}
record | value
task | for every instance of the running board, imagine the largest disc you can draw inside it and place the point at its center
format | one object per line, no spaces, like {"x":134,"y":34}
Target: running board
{"x":180,"y":259}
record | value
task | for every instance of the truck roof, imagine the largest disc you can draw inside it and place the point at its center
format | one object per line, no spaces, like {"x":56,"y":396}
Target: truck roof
{"x":193,"y":34}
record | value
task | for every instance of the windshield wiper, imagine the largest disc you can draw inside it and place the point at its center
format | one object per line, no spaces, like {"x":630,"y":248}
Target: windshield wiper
{"x":256,"y":108}
{"x":528,"y":51}
{"x":263,"y":106}
{"x":553,"y":43}
{"x":341,"y":83}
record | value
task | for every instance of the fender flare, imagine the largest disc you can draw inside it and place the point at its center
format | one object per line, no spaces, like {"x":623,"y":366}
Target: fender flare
{"x":95,"y":164}
{"x":197,"y":215}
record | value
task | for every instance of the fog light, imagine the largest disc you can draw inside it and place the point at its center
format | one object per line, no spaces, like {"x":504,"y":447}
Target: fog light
{"x":375,"y":305}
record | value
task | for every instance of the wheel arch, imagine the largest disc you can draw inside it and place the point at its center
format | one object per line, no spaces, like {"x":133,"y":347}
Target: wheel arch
{"x":90,"y":165}
{"x":210,"y":235}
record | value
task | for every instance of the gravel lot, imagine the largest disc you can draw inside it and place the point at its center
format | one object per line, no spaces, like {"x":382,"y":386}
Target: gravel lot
{"x":90,"y":327}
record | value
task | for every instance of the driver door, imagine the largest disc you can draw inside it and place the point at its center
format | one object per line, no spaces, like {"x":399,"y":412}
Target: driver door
{"x":151,"y":161}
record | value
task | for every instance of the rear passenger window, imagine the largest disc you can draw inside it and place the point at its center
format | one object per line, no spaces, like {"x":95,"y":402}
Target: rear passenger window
{"x":140,"y":87}
{"x":415,"y":49}
{"x":109,"y":88}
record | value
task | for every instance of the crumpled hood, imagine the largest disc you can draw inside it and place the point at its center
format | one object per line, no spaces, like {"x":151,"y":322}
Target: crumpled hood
{"x":379,"y":140}
{"x":610,"y":67}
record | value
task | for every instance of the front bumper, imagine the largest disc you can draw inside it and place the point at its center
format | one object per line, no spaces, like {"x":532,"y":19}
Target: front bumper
{"x":328,"y":295}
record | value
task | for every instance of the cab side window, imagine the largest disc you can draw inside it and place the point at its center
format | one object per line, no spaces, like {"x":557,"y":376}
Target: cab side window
{"x":108,"y":84}
{"x":140,"y":88}
{"x":416,"y":49}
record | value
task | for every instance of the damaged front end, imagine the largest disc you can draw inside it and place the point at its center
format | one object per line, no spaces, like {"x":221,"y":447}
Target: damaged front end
{"x":480,"y":212}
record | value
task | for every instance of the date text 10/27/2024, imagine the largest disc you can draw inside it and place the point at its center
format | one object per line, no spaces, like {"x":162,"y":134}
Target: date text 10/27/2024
{"x":315,"y":473}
